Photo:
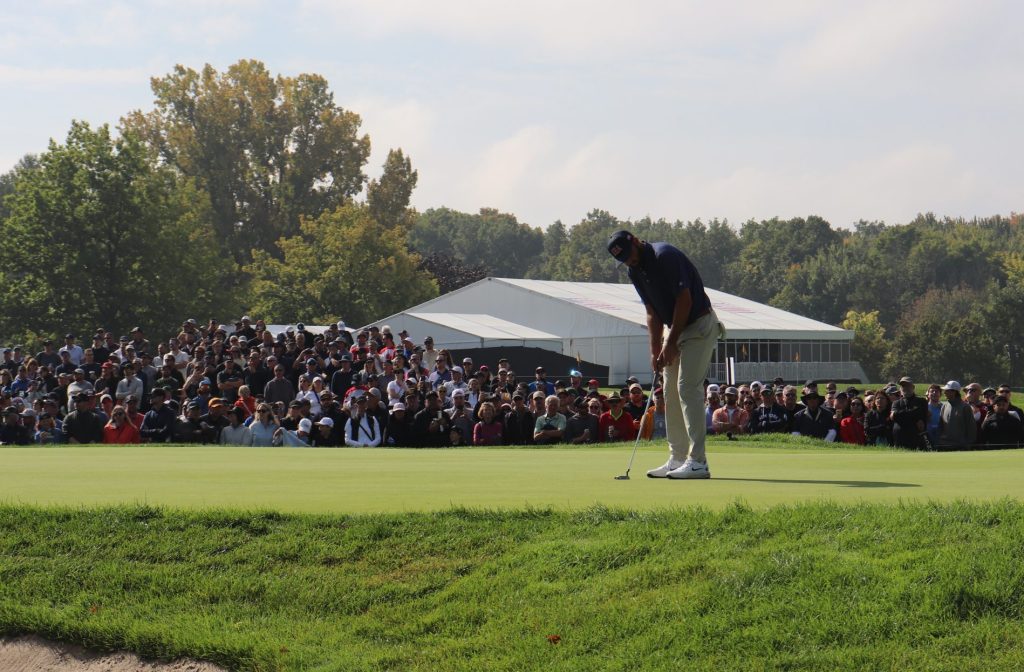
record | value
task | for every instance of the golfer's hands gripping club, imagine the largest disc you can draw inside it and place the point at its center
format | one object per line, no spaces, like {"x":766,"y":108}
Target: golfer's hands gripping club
{"x":668,"y":356}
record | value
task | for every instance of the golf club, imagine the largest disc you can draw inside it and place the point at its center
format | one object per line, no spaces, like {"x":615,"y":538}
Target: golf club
{"x":636,"y":444}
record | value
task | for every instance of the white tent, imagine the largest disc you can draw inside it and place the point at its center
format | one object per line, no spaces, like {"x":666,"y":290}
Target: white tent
{"x":606,"y":323}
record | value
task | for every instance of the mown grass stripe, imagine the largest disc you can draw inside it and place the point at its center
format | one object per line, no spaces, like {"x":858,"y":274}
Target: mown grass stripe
{"x":805,"y":586}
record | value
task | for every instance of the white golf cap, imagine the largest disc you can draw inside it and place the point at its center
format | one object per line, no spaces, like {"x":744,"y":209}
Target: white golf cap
{"x":326,"y":422}
{"x":399,"y":406}
{"x":952,"y":385}
{"x":306,"y":425}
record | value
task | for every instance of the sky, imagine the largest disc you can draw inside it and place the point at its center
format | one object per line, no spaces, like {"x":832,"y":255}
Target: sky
{"x":549,"y":109}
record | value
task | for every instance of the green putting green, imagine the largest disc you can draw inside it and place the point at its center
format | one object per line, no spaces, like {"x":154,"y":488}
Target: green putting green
{"x":394,"y":480}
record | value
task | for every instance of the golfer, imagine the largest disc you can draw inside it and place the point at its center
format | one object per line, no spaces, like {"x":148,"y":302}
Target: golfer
{"x":673,"y":294}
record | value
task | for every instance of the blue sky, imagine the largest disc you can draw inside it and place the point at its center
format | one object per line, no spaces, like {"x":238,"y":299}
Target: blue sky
{"x":848,"y":110}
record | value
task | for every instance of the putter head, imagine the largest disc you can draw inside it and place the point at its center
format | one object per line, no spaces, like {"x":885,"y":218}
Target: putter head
{"x":624,"y":477}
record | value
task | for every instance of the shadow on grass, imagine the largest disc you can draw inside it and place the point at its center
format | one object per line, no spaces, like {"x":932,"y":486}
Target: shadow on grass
{"x":845,"y":484}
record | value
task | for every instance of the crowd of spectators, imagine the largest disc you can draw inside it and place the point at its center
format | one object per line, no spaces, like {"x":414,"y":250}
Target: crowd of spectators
{"x":948,"y":417}
{"x":247,"y":386}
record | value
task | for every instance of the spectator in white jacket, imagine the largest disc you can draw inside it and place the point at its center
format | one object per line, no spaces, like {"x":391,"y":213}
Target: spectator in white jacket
{"x":361,"y":429}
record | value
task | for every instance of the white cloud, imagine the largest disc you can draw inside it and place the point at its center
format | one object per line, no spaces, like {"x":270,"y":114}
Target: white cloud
{"x":508,"y":167}
{"x":392,"y":124}
{"x":55,"y":77}
{"x":893,"y":186}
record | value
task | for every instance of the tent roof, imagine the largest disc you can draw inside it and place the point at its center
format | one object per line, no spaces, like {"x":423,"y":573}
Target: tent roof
{"x":483,"y":326}
{"x":617,"y":302}
{"x":741,"y":316}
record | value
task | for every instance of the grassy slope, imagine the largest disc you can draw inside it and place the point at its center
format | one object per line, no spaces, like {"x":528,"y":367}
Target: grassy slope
{"x":804,"y":587}
{"x":760,"y":473}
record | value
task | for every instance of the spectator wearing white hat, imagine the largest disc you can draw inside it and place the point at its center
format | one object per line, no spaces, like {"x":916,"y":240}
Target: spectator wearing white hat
{"x":324,"y":435}
{"x":458,"y":381}
{"x":958,"y":429}
{"x":399,"y":431}
{"x":299,"y":438}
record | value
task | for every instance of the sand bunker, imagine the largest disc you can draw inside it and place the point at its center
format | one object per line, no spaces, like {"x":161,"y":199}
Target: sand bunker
{"x":32,"y":654}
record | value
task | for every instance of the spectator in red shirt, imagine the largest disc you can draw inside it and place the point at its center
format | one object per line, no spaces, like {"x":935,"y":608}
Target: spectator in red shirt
{"x":615,"y":424}
{"x":851,"y":428}
{"x":120,"y":429}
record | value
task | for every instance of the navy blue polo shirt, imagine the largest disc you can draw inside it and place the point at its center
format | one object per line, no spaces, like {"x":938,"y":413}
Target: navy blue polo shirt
{"x":664,"y":271}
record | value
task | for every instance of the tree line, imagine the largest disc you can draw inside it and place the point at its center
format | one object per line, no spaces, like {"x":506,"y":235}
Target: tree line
{"x":242,"y":191}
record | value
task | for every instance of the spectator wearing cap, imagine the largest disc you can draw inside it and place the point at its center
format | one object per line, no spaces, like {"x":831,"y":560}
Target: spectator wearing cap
{"x":1002,"y":429}
{"x":461,"y":414}
{"x":483,"y":374}
{"x":297,"y":438}
{"x":246,"y":329}
{"x":13,"y":432}
{"x":540,"y":383}
{"x":343,"y":376}
{"x":467,"y":367}
{"x":958,"y":429}
{"x":731,"y":418}
{"x":581,"y":426}
{"x":66,"y":365}
{"x":47,"y":431}
{"x":187,"y":428}
{"x":519,"y":421}
{"x":458,"y":381}
{"x":769,"y":416}
{"x":909,"y":416}
{"x":84,"y":424}
{"x":978,"y":405}
{"x":324,"y":434}
{"x":139,"y":342}
{"x":131,"y":406}
{"x":814,"y":421}
{"x":78,"y":385}
{"x":1004,"y":390}
{"x":48,"y":355}
{"x":712,"y":402}
{"x":503,"y":387}
{"x":158,"y":422}
{"x":636,"y":404}
{"x":399,"y":429}
{"x":236,"y":433}
{"x":215,"y":420}
{"x":129,"y":385}
{"x":653,"y":426}
{"x":840,"y":407}
{"x":120,"y":429}
{"x":616,"y":424}
{"x":431,"y":425}
{"x":362,"y":428}
{"x":576,"y":383}
{"x":429,"y":355}
{"x":229,"y":379}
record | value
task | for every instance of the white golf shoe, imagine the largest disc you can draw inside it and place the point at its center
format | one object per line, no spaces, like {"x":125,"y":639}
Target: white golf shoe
{"x":691,"y":469}
{"x":663,"y":470}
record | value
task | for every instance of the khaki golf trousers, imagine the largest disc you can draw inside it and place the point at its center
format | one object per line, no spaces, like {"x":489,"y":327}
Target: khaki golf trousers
{"x":685,"y":421}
